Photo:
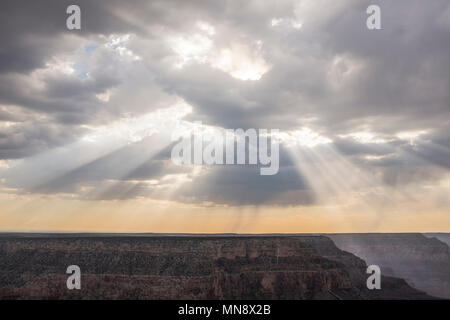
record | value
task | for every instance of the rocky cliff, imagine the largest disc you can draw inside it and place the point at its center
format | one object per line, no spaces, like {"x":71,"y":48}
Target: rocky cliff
{"x":424,"y":262}
{"x":444,"y":237}
{"x":173,"y":267}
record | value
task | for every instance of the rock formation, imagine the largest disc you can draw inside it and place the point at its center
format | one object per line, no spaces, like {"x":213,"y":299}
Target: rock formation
{"x":189,"y":267}
{"x":422,"y":261}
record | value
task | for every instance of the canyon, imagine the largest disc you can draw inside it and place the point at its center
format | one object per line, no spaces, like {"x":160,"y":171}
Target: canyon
{"x":423,"y":260}
{"x":152,"y":266}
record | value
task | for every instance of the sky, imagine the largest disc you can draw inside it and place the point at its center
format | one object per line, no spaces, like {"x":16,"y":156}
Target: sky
{"x":87,"y":116}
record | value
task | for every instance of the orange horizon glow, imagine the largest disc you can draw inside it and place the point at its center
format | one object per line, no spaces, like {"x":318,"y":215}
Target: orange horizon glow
{"x":42,"y":214}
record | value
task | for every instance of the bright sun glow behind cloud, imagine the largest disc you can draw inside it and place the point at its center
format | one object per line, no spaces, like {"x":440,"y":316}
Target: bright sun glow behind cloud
{"x":241,"y":61}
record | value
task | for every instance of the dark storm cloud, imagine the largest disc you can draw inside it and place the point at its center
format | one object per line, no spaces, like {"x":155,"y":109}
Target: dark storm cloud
{"x":351,"y":147}
{"x":30,"y":138}
{"x":238,"y":185}
{"x":242,"y":185}
{"x":32,"y":31}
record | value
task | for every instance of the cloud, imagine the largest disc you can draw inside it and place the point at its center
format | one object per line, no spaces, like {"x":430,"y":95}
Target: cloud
{"x":297,"y":66}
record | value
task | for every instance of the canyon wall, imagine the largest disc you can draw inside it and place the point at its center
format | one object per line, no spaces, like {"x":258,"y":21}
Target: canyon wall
{"x":424,"y":262}
{"x":194,"y":267}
